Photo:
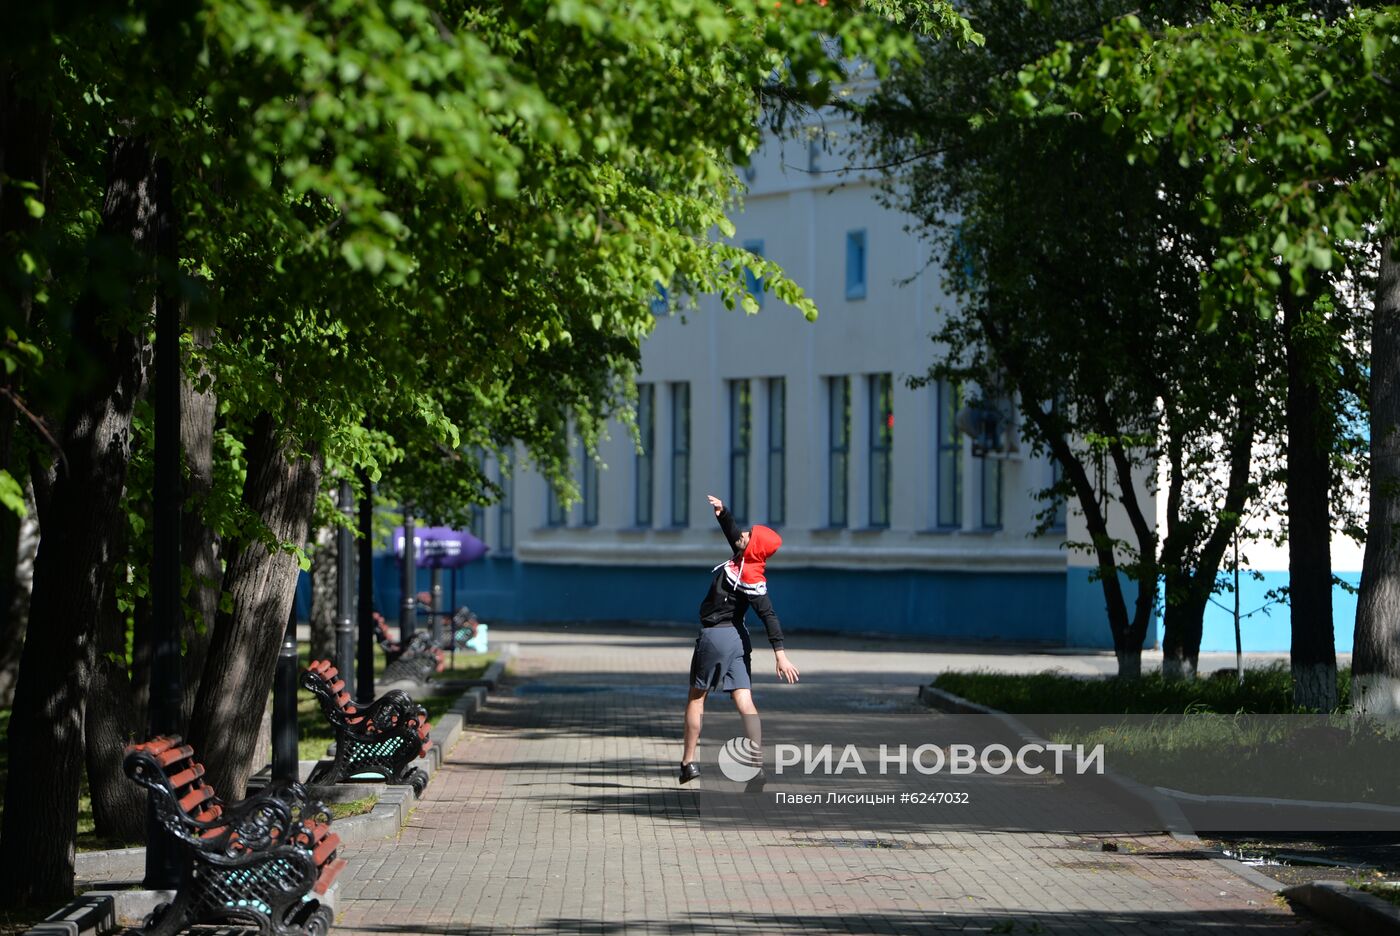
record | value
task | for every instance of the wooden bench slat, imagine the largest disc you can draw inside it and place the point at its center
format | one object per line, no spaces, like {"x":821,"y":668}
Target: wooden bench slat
{"x":325,"y":848}
{"x":195,"y":797}
{"x":184,"y":777}
{"x":171,"y":755}
{"x":328,"y":875}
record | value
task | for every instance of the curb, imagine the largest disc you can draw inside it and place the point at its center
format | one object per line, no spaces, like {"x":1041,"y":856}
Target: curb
{"x":99,"y":912}
{"x":1173,"y":820}
{"x":1346,"y":906}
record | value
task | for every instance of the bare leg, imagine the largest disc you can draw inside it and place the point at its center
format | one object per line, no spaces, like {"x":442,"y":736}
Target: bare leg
{"x":694,"y":715}
{"x":753,"y":730}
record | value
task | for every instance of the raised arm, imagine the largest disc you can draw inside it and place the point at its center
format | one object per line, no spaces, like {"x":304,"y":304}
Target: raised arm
{"x":726,"y":522}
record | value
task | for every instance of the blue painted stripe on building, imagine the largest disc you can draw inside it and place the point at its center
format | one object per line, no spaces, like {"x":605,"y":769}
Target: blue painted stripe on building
{"x":961,"y":605}
{"x":1269,"y":630}
{"x":1059,"y":609}
{"x":1086,"y":610}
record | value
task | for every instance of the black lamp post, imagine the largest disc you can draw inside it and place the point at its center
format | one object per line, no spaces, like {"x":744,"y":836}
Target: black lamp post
{"x":344,"y":593}
{"x":365,"y":662}
{"x":408,"y":608}
{"x":436,"y":617}
{"x":284,"y":704}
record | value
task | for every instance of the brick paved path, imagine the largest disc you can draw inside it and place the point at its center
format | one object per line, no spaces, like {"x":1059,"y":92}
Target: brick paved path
{"x":559,"y":813}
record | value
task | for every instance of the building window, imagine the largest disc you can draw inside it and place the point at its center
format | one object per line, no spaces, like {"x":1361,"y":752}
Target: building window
{"x":777,"y":451}
{"x":754,"y":283}
{"x":950,"y":463}
{"x":506,"y":539}
{"x":839,"y":434}
{"x":680,"y":454}
{"x":881,"y":441}
{"x":1057,"y":520}
{"x":588,"y":484}
{"x":646,"y":432}
{"x":740,"y":445}
{"x":554,"y":513}
{"x":991,"y":492}
{"x":660,"y":301}
{"x":855,"y":264}
{"x":478,"y":512}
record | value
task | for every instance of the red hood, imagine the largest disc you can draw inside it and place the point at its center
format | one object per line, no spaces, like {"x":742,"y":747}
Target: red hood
{"x":763,"y":542}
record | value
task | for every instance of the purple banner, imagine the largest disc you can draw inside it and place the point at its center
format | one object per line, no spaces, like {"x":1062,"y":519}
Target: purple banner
{"x":441,"y":547}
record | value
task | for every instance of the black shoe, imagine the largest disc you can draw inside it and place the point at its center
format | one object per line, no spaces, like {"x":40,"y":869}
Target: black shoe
{"x":689,"y":772}
{"x":756,"y":784}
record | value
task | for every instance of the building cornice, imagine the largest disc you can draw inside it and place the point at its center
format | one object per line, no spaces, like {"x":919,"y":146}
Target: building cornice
{"x":936,"y":558}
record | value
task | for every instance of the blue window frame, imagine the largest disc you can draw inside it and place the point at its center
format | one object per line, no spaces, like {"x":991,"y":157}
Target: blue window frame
{"x":646,"y":467}
{"x":991,"y":492}
{"x":506,"y":518}
{"x":680,"y":454}
{"x":754,"y":283}
{"x":740,"y":446}
{"x":855,"y":264}
{"x":777,"y":451}
{"x":839,"y":448}
{"x":881,"y":444}
{"x":950,"y":463}
{"x":588,"y":484}
{"x":554,"y":513}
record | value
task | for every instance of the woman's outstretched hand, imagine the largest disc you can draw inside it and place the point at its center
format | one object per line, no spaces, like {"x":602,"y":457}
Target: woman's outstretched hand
{"x":716,"y":503}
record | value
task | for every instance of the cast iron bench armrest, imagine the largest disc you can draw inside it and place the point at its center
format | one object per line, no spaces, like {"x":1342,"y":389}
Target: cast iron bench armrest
{"x":380,"y":740}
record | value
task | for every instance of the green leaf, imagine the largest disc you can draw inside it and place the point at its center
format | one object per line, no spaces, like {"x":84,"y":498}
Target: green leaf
{"x":11,"y":494}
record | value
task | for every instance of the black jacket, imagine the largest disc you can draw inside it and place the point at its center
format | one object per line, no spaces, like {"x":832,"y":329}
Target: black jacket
{"x":729,"y":599}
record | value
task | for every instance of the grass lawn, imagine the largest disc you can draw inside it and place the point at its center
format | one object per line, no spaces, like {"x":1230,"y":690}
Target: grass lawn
{"x":1386,"y":892}
{"x":1266,"y":690}
{"x":1211,"y":752}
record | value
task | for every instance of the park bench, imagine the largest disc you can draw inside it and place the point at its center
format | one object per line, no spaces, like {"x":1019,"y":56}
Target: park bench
{"x":414,"y":661}
{"x":467,"y":631}
{"x":379,"y":741}
{"x":268,"y":860}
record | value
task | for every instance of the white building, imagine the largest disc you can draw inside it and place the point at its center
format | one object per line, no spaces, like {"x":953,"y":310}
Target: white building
{"x":890,"y":524}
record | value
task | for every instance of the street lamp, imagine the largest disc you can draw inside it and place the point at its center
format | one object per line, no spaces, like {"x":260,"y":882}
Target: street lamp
{"x":344,"y":592}
{"x":408,"y":608}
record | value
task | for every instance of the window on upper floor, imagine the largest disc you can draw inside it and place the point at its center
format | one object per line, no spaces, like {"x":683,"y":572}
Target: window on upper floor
{"x":855,"y":264}
{"x":754,"y":283}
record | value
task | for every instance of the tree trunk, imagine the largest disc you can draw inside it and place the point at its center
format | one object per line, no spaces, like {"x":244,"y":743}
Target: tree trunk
{"x":25,"y":125}
{"x":323,"y":594}
{"x":1307,"y":488}
{"x":1375,"y":685}
{"x":73,"y":570}
{"x":1190,"y":572}
{"x":17,"y":616}
{"x":112,"y":721}
{"x":261,"y":584}
{"x":199,"y":547}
